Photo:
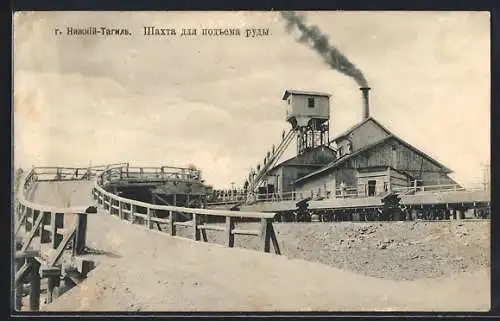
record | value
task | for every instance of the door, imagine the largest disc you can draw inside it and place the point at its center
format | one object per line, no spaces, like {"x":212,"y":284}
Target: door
{"x":372,"y":187}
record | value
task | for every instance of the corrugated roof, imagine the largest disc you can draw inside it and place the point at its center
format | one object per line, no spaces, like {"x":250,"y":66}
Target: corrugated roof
{"x":302,"y":92}
{"x":364,"y":149}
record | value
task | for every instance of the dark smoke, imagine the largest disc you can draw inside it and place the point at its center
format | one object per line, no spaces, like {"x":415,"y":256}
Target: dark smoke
{"x":319,"y":42}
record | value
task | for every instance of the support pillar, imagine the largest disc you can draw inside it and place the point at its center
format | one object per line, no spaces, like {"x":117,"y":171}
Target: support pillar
{"x":34,"y":284}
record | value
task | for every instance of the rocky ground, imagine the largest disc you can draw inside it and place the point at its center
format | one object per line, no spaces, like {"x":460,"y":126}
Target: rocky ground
{"x":389,"y":250}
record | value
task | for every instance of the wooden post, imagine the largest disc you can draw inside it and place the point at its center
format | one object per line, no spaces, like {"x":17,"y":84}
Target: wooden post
{"x":272,"y":234}
{"x":19,"y":286}
{"x":110,"y":208}
{"x":149,"y":223}
{"x":172,"y":216}
{"x":265,"y":235}
{"x":132,"y":211}
{"x":29,"y":220}
{"x":52,"y":282}
{"x":229,"y":231}
{"x":120,"y":210}
{"x":44,"y":234}
{"x":34,"y":284}
{"x":196,"y":231}
{"x":81,"y":232}
{"x":57,"y":221}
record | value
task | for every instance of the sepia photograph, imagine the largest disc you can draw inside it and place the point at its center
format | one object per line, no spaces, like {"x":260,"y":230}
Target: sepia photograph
{"x":251,"y":161}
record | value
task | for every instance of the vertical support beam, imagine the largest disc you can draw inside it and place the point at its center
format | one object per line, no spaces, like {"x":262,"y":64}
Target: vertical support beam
{"x":52,"y":282}
{"x":229,"y":231}
{"x":57,"y":221}
{"x":196,"y":231}
{"x":44,"y":234}
{"x":29,"y":220}
{"x":34,"y":284}
{"x":120,"y":210}
{"x":110,"y":205}
{"x":171,"y":216}
{"x":149,"y":223}
{"x":132,"y":211}
{"x":272,"y":234}
{"x":81,"y":233}
{"x":265,"y":236}
{"x":18,"y":298}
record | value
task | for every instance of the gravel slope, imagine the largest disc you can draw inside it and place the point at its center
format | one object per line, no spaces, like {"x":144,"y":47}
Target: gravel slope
{"x":389,"y":250}
{"x":150,"y":271}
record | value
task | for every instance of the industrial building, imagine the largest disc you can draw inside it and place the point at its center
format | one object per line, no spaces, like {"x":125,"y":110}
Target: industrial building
{"x":366,"y":160}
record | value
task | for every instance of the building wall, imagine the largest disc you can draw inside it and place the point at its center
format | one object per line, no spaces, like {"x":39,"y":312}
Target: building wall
{"x":367,"y":134}
{"x":287,"y":175}
{"x":298,"y":107}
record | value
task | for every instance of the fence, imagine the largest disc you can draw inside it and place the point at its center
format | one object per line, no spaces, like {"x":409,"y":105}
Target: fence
{"x":347,"y":192}
{"x":47,"y":223}
{"x":147,"y":213}
{"x":163,"y":173}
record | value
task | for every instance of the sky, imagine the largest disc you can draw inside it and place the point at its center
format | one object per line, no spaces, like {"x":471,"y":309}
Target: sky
{"x":215,"y":101}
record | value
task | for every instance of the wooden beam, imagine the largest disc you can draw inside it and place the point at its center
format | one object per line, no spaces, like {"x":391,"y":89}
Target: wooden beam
{"x":196,"y":231}
{"x":32,"y":233}
{"x":172,"y":216}
{"x":265,"y":235}
{"x":274,"y":239}
{"x":21,"y":220}
{"x":245,"y":232}
{"x":80,"y":234}
{"x":57,"y":222}
{"x":34,"y":285}
{"x":229,"y":229}
{"x":60,"y":249}
{"x":22,"y":273}
{"x":45,"y":233}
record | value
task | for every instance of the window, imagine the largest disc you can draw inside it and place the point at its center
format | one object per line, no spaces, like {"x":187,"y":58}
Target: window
{"x":310,"y":102}
{"x":289,"y":100}
{"x":341,"y":151}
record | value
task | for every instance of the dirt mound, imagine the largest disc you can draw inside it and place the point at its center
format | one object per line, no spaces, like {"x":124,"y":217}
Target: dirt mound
{"x":151,"y":271}
{"x":389,"y":250}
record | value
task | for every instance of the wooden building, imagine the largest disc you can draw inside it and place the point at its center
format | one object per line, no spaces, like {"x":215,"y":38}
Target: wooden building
{"x":372,"y":161}
{"x":280,"y":178}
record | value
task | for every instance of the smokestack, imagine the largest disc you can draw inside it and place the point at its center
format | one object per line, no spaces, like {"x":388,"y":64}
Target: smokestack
{"x":366,"y":103}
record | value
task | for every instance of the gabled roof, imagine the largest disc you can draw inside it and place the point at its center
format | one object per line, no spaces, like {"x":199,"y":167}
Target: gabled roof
{"x":342,"y":160}
{"x":289,"y":92}
{"x":353,"y":128}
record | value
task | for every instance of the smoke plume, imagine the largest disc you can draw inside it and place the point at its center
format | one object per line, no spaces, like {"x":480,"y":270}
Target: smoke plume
{"x":319,"y":42}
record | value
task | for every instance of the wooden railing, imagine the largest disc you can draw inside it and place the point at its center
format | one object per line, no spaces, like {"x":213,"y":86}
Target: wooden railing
{"x":163,"y":173}
{"x":47,"y":223}
{"x":153,"y":214}
{"x":347,"y":192}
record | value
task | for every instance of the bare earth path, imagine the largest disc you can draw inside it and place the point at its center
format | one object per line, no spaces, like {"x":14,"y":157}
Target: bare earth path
{"x":149,"y":271}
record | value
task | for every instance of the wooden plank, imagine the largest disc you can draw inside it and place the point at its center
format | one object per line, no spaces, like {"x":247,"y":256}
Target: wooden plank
{"x":211,"y":227}
{"x":143,"y":216}
{"x":57,"y":223}
{"x":187,"y":223}
{"x":21,"y":220}
{"x":196,"y":231}
{"x":45,"y":228}
{"x":20,"y":255}
{"x":120,"y":210}
{"x":229,"y":228}
{"x":34,"y":285}
{"x":274,"y":239}
{"x":80,"y":234}
{"x":22,"y":273}
{"x":172,"y":229}
{"x":60,"y":249}
{"x":245,"y":232}
{"x":160,"y":220}
{"x":148,"y":218}
{"x":32,"y":233}
{"x":265,"y":235}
